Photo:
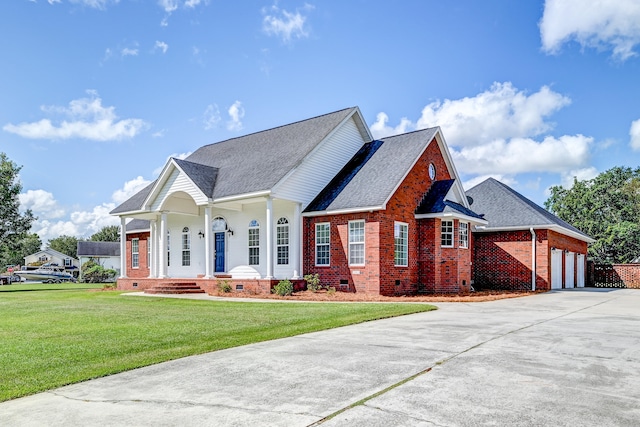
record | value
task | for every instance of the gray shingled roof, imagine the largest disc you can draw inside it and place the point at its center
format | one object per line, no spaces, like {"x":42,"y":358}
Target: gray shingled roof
{"x":202,"y":175}
{"x":137,"y":224}
{"x":377,"y":179}
{"x":254,"y":162}
{"x":434,"y":201}
{"x":98,"y":249}
{"x":504,"y":207}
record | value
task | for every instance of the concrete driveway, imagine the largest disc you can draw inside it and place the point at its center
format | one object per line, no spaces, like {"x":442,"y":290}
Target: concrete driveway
{"x":564,"y":358}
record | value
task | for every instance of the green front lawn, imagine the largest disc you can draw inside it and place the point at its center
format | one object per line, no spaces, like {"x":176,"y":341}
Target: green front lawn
{"x":53,"y":335}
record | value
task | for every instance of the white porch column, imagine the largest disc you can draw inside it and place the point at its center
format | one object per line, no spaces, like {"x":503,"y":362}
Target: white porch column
{"x":162,"y":271}
{"x":123,"y":248}
{"x":296,"y":246}
{"x":153,"y":253}
{"x":207,"y":243}
{"x":269,"y":238}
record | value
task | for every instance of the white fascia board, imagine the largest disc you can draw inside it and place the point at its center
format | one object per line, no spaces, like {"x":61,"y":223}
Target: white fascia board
{"x":263,"y":193}
{"x":132,"y":213}
{"x":193,"y":184}
{"x":160,"y":181}
{"x":570,"y":233}
{"x":453,"y":215}
{"x":343,"y":211}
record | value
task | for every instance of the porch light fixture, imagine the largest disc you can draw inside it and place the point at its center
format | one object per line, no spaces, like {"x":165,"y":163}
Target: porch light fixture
{"x":230,"y":231}
{"x":201,"y":234}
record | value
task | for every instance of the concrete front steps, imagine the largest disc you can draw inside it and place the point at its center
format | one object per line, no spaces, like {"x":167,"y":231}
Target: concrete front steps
{"x":175,"y":288}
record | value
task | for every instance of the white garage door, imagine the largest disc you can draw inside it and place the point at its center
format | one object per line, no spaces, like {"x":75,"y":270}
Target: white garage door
{"x":569,"y":271}
{"x":580,"y":270}
{"x":556,"y":269}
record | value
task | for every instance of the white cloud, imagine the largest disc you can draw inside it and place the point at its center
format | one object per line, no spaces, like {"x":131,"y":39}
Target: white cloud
{"x":161,"y":46}
{"x":96,"y":4}
{"x":168,"y":5}
{"x":497,"y":132}
{"x":520,"y":155}
{"x":284,"y":24}
{"x":88,"y":120}
{"x":498,"y":113}
{"x":211,"y":117}
{"x":236,"y":113}
{"x":508,"y":180}
{"x":129,"y":189}
{"x":42,"y":203}
{"x":602,"y":24}
{"x":634,"y":132}
{"x":579,"y":174}
{"x":380,"y":129}
{"x":129,"y":52}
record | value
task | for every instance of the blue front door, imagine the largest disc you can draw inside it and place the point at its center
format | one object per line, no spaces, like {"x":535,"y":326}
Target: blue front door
{"x":219,"y":252}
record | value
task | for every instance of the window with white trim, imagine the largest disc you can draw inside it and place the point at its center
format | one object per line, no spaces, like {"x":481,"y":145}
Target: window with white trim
{"x":67,"y":262}
{"x":401,"y":244}
{"x":323,"y":243}
{"x":446,"y":234}
{"x":186,"y":247}
{"x":254,"y":243}
{"x":356,"y":242}
{"x":463,"y":233}
{"x":135,"y":254}
{"x":282,"y":241}
{"x":148,"y":253}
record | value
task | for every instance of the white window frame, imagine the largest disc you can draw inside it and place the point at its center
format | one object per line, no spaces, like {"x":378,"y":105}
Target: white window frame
{"x":323,"y":242}
{"x":135,"y":253}
{"x":168,"y":248}
{"x":463,"y":235}
{"x":356,"y":244}
{"x":253,"y":242}
{"x":282,"y":241}
{"x":186,"y":247}
{"x":148,"y":252}
{"x":401,"y":247}
{"x":67,"y":262}
{"x":446,"y":232}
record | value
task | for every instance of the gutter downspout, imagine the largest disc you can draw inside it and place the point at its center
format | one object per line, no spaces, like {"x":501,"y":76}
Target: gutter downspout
{"x":533,"y":259}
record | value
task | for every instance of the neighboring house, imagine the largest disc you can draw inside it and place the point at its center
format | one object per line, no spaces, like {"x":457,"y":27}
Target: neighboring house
{"x":106,"y":254}
{"x":322,"y":196}
{"x":524,"y":246}
{"x":51,"y":256}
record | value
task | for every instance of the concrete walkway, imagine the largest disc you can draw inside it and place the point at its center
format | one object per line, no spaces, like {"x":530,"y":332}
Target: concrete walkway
{"x":564,"y":358}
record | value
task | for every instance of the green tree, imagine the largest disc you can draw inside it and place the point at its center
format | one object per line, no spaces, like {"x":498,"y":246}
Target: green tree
{"x":607,"y":208}
{"x":14,"y":225}
{"x":28,"y":245}
{"x":68,"y":245}
{"x":109,"y":233}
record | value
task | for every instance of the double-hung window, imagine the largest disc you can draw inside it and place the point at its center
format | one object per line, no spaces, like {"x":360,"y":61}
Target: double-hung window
{"x":254,"y":243}
{"x":401,"y":244}
{"x":446,"y":234}
{"x":356,"y":242}
{"x":463,"y":232}
{"x":135,"y":253}
{"x":186,"y":247}
{"x":323,"y":243}
{"x":282,"y":241}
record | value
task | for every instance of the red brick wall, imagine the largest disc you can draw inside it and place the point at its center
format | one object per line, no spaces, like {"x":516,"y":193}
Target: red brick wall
{"x":142,"y":270}
{"x":380,"y":275}
{"x":502,"y":260}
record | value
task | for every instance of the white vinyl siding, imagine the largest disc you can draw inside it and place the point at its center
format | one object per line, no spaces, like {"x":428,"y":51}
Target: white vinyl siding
{"x":316,"y":170}
{"x":178,"y":182}
{"x":356,"y":242}
{"x":323,"y":244}
{"x":401,"y":244}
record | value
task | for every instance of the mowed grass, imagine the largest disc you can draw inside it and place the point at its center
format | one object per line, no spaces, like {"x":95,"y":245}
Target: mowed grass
{"x":53,"y":335}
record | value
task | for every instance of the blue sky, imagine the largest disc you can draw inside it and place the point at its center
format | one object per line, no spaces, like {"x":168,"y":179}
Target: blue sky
{"x":97,"y":94}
